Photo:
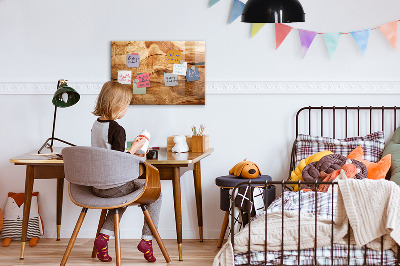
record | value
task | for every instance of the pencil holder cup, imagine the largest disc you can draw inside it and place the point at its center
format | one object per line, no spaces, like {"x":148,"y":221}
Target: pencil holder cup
{"x":200,"y":143}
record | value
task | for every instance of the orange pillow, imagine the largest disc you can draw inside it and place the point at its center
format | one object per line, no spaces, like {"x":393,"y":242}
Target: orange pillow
{"x":375,"y":170}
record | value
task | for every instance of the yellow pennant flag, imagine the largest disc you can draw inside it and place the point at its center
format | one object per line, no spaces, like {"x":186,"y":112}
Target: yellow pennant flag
{"x":256,"y":27}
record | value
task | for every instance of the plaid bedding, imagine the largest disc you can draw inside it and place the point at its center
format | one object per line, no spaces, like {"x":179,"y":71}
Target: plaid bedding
{"x":323,"y":207}
{"x":372,"y":145}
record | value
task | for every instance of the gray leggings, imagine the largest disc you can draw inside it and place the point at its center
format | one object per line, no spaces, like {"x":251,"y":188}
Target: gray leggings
{"x":154,"y":208}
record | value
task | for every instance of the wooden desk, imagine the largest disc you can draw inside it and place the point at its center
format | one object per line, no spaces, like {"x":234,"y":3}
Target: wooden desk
{"x":169,"y":165}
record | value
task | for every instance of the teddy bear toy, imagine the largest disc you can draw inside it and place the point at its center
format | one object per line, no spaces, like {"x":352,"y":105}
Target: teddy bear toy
{"x":245,"y":169}
{"x":13,"y":215}
{"x":180,"y":144}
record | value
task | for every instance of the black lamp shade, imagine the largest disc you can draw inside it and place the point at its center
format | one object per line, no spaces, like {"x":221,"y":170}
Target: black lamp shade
{"x":273,"y":11}
{"x":65,"y":96}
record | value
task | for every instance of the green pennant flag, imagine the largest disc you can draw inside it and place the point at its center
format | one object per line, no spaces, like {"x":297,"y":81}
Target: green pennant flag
{"x":256,"y":27}
{"x":213,"y":2}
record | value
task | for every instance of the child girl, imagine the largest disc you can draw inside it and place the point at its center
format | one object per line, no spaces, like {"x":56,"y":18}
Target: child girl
{"x":112,"y":104}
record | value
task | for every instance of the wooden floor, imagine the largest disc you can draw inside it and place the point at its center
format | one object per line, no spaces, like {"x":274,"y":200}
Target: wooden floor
{"x":50,"y":252}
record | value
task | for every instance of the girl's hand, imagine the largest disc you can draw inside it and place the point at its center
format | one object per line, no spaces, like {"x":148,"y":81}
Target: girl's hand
{"x":137,"y":144}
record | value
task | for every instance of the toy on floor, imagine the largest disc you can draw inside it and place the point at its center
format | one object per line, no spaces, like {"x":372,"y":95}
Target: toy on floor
{"x":245,"y":169}
{"x":13,"y":215}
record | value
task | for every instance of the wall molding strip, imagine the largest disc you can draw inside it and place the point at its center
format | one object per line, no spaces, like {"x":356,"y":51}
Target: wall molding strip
{"x":231,"y":87}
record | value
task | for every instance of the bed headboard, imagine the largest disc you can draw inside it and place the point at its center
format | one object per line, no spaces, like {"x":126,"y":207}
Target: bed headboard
{"x":344,"y":121}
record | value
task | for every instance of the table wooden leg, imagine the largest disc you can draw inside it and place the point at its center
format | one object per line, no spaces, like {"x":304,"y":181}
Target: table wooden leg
{"x":27,"y":206}
{"x":176,"y":182}
{"x":199,"y":204}
{"x":60,"y":191}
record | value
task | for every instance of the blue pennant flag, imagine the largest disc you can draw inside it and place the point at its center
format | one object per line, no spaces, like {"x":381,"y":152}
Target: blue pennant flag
{"x":332,"y":41}
{"x":361,"y":37}
{"x":237,"y":9}
{"x":213,"y":2}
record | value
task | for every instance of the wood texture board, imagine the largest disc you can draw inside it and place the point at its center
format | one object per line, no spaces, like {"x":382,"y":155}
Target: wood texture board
{"x":153,"y":60}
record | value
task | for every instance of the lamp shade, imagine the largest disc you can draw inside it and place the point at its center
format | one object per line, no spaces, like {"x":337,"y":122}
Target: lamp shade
{"x":65,"y":96}
{"x":273,"y":11}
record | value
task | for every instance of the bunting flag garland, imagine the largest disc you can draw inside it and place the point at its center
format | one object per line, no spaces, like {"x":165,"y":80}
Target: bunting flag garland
{"x":281,"y":31}
{"x":237,"y":9}
{"x":306,"y":39}
{"x":256,"y":27}
{"x":213,"y":2}
{"x":361,"y":37}
{"x":332,"y":41}
{"x":389,"y":30}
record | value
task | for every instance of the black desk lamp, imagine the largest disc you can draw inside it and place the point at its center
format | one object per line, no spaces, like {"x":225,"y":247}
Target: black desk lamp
{"x":273,"y":11}
{"x":65,"y":96}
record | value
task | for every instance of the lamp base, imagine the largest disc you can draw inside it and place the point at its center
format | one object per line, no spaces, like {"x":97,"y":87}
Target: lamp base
{"x":50,"y":146}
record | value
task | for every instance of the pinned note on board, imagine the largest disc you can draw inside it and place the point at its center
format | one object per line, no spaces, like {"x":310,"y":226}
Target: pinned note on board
{"x":170,"y":79}
{"x":133,"y":60}
{"x":124,"y":76}
{"x":180,"y":69}
{"x":174,"y":56}
{"x":144,"y":80}
{"x":192,"y":74}
{"x":137,"y":90}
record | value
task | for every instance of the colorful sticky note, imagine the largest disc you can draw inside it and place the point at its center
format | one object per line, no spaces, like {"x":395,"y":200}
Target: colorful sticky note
{"x":132,"y":60}
{"x":192,"y":74}
{"x":124,"y":76}
{"x":174,"y":56}
{"x":144,"y":80}
{"x":180,"y":69}
{"x":170,"y":79}
{"x":137,"y":90}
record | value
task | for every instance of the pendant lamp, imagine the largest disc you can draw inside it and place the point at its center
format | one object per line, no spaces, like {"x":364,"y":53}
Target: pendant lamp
{"x":273,"y":11}
{"x":64,"y":96}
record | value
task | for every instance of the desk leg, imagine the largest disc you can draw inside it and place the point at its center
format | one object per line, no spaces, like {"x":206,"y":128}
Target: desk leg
{"x":60,"y":190}
{"x":199,"y":204}
{"x":176,"y":182}
{"x":27,"y":206}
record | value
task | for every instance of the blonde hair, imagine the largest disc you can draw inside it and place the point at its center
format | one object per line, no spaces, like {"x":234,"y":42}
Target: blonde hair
{"x":112,"y":98}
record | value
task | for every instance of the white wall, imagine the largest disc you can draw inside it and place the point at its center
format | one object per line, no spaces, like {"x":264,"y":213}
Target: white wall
{"x":42,"y":41}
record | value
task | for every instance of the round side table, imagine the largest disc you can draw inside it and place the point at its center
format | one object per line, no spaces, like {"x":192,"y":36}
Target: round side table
{"x":226,"y":183}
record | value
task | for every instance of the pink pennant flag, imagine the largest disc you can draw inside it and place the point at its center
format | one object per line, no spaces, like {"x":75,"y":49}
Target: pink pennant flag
{"x":281,"y":31}
{"x":306,"y":39}
{"x":389,"y":30}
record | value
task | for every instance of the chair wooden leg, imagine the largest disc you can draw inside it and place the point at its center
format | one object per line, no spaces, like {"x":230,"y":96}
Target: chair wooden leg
{"x":154,"y":230}
{"x":101,"y":222}
{"x":117,"y":239}
{"x":73,"y":237}
{"x":223,"y":229}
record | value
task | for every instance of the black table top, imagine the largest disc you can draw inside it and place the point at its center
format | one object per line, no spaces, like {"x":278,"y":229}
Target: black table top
{"x":230,"y":181}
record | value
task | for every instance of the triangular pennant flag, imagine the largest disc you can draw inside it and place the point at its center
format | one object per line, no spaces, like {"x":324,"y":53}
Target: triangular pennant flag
{"x":213,"y":2}
{"x":332,"y":41}
{"x":281,"y":31}
{"x":361,"y":37}
{"x":256,"y":27}
{"x":389,"y":30}
{"x":237,"y":9}
{"x":306,"y":39}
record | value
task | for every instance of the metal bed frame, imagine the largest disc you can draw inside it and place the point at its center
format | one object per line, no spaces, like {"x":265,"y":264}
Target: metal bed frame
{"x":283,"y":184}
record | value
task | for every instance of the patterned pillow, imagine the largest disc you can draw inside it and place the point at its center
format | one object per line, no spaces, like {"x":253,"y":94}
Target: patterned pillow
{"x":372,"y":144}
